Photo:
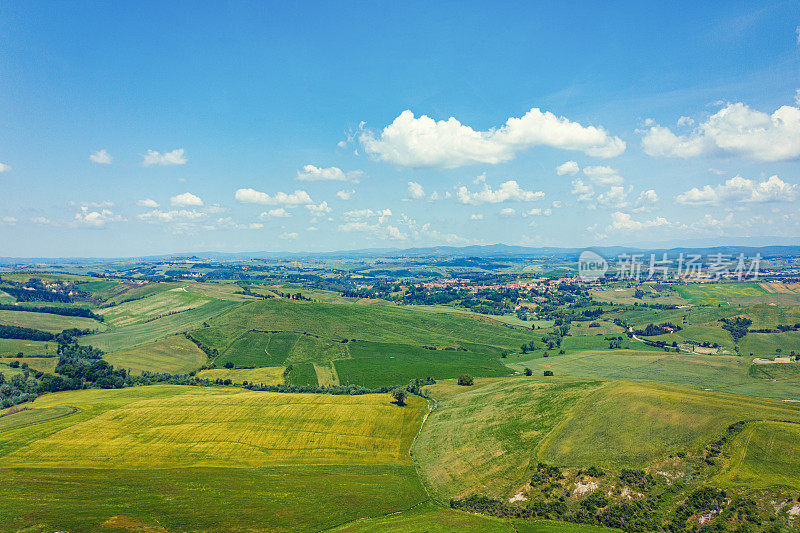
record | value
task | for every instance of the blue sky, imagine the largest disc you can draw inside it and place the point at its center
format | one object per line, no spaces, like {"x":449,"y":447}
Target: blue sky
{"x":139,"y":128}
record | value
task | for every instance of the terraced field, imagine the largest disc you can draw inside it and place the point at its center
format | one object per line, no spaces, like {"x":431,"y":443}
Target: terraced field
{"x":175,"y":354}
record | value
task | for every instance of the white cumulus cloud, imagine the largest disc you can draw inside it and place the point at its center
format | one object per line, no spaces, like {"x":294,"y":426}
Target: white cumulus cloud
{"x":101,"y":157}
{"x":318,"y":209}
{"x":345,"y":195}
{"x":4,"y":167}
{"x":415,"y":190}
{"x":509,"y":190}
{"x":425,"y":142}
{"x":735,"y":129}
{"x":147,"y":202}
{"x":251,"y":196}
{"x":570,"y":168}
{"x":278,"y":212}
{"x":186,"y":199}
{"x":95,"y":219}
{"x":312,"y":173}
{"x":603,"y":175}
{"x":174,"y":157}
{"x":739,"y":189}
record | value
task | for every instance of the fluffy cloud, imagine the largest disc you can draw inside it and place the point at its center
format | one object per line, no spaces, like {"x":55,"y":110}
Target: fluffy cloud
{"x":583,"y":190}
{"x":425,"y":142}
{"x":174,"y":157}
{"x":312,"y":173}
{"x":175,"y":215}
{"x":101,"y":157}
{"x":602,"y":175}
{"x":510,"y":190}
{"x":415,"y":190}
{"x":147,"y":202}
{"x":476,"y":217}
{"x":4,"y":167}
{"x":615,"y":197}
{"x":95,"y":219}
{"x":739,"y":189}
{"x":278,"y":212}
{"x":251,"y":196}
{"x":508,"y":212}
{"x":345,"y":195}
{"x":570,"y":168}
{"x":648,"y":196}
{"x":735,"y":129}
{"x":185,"y":200}
{"x":538,"y":211}
{"x":362,"y":220}
{"x":8,"y":221}
{"x":41,"y":221}
{"x":288,"y":236}
{"x":624,"y":221}
{"x":319,"y":209}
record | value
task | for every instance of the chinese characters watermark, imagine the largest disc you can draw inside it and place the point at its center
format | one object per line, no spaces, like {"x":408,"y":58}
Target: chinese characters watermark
{"x":637,"y":267}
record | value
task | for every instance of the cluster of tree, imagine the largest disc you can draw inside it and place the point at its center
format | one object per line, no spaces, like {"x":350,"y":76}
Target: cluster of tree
{"x":652,"y":330}
{"x":210,"y":352}
{"x":17,"y":332}
{"x":780,"y":328}
{"x":614,"y":343}
{"x":62,"y":311}
{"x":31,"y":294}
{"x":736,"y":326}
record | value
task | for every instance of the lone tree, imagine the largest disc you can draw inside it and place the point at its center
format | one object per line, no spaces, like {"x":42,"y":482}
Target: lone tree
{"x":399,"y":395}
{"x":465,"y":380}
{"x":528,"y":372}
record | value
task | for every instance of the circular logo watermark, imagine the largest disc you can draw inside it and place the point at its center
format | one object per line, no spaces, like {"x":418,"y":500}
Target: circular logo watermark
{"x":591,"y":266}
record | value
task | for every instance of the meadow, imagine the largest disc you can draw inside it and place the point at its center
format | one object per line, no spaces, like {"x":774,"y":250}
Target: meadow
{"x":121,"y":338}
{"x":631,"y":425}
{"x":215,"y":459}
{"x":723,"y":293}
{"x":482,"y":438}
{"x":48,"y":322}
{"x":26,"y":347}
{"x":157,"y":305}
{"x":175,"y":354}
{"x":720,"y":373}
{"x":270,"y":375}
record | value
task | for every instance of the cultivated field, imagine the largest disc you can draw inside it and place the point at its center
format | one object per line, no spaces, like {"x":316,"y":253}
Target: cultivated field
{"x":48,"y":322}
{"x":176,"y":355}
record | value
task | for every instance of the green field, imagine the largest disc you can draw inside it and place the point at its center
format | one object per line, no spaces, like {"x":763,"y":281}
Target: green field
{"x":176,"y":355}
{"x":15,"y":346}
{"x":720,"y":373}
{"x":146,"y":309}
{"x":631,"y":425}
{"x":270,"y":375}
{"x":48,"y":322}
{"x":121,"y":338}
{"x":430,"y":519}
{"x":764,"y":455}
{"x":722,"y":293}
{"x":42,"y":364}
{"x":164,"y":426}
{"x":255,"y":348}
{"x":482,"y":438}
{"x":216,"y":459}
{"x":373,"y":364}
{"x":379,"y":323}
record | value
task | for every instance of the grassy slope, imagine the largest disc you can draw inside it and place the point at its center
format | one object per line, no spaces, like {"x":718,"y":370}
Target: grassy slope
{"x":176,"y":355}
{"x":721,"y":293}
{"x":482,"y":438}
{"x":269,"y":375}
{"x":48,"y":322}
{"x":211,"y":459}
{"x":630,"y":425}
{"x":429,"y":519}
{"x":42,"y":364}
{"x":192,"y":426}
{"x":763,"y":455}
{"x":15,"y":346}
{"x":140,"y":311}
{"x":721,"y":373}
{"x":362,"y":322}
{"x":121,"y":338}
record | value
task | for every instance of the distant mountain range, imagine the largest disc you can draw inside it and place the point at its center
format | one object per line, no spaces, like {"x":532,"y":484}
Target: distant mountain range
{"x":482,"y":251}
